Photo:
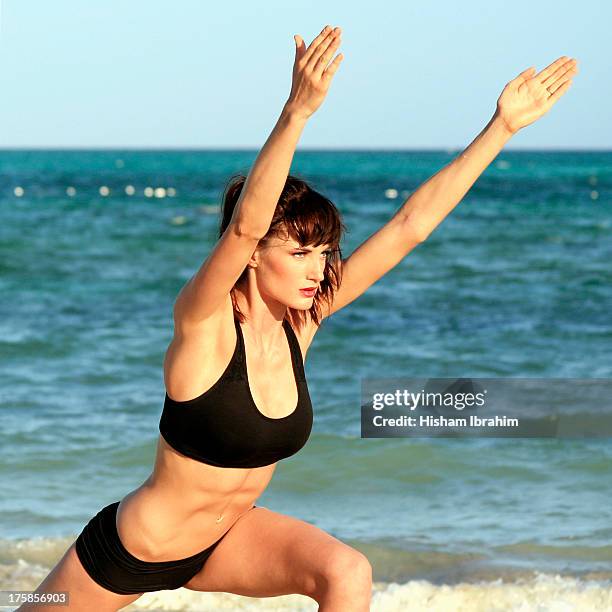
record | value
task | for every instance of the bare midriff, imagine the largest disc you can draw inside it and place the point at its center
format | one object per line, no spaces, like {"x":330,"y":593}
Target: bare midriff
{"x":174,"y":513}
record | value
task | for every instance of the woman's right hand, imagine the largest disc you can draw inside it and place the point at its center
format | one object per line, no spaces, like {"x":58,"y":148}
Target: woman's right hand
{"x":311,"y":72}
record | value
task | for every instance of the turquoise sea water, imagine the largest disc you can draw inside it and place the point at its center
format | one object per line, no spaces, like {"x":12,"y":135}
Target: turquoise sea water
{"x":517,"y":282}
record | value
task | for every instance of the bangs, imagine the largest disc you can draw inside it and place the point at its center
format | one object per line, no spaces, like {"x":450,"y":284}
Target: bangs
{"x":310,"y":223}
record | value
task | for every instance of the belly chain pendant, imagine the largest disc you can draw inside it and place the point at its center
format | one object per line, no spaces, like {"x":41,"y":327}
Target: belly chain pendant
{"x":221,"y":516}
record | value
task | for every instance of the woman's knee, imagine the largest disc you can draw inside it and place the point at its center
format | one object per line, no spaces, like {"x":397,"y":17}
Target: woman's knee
{"x":347,"y":569}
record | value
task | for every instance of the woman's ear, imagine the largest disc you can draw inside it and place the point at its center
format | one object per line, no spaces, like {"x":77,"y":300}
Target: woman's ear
{"x":254,"y":260}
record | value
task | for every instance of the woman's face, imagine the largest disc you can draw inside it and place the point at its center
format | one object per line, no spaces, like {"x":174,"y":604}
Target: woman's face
{"x":284,"y":269}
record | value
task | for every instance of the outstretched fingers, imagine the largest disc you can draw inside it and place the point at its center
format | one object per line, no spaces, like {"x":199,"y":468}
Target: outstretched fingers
{"x":323,"y":46}
{"x":560,"y":82}
{"x":331,"y":69}
{"x":328,"y":50}
{"x":559,"y":92}
{"x":316,"y":42}
{"x":551,"y":68}
{"x":560,"y":76}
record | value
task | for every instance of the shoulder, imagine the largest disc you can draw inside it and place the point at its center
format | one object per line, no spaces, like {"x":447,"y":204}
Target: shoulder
{"x":196,"y":348}
{"x":217,"y":327}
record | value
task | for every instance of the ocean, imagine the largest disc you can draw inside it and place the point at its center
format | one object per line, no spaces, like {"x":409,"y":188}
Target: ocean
{"x":516,"y":282}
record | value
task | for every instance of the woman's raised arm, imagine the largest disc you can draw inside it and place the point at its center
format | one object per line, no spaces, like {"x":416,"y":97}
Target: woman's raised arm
{"x":523,"y":100}
{"x":207,"y":290}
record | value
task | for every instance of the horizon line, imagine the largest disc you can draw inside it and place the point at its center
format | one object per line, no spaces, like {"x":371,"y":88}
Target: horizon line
{"x":8,"y":149}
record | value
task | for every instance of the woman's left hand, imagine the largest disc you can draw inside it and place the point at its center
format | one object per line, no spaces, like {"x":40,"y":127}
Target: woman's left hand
{"x":529,"y":96}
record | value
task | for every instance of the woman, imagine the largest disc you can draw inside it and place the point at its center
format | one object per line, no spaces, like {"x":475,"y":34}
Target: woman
{"x":237,"y":400}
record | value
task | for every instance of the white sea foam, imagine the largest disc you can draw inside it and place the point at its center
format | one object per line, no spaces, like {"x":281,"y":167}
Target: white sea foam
{"x":539,"y":593}
{"x":542,"y":593}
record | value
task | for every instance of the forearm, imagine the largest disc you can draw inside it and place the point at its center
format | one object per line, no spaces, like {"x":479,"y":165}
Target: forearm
{"x":268,"y":175}
{"x":427,"y":207}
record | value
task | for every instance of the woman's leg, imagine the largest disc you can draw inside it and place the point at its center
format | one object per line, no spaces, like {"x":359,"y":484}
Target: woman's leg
{"x":266,"y":554}
{"x":83,"y":592}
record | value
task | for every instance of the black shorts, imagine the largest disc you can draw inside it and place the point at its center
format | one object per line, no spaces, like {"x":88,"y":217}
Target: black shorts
{"x":110,"y":564}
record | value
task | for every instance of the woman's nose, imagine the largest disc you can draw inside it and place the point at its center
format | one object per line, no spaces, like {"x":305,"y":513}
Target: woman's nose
{"x":317,"y":274}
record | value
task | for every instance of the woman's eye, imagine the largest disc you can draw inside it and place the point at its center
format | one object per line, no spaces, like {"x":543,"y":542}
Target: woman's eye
{"x":326,"y":254}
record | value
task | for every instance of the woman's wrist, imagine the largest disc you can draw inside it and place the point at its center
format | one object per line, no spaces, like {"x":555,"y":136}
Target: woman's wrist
{"x":500,"y":126}
{"x":294,"y":114}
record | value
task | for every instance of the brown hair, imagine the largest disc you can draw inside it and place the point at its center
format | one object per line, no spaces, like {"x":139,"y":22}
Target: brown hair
{"x":310,"y":219}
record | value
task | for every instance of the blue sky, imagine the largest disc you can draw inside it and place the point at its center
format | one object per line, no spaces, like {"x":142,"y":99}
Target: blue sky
{"x":135,"y":73}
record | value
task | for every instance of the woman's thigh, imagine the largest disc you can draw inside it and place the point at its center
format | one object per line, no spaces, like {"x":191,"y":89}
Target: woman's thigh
{"x":83,"y":592}
{"x":266,"y":554}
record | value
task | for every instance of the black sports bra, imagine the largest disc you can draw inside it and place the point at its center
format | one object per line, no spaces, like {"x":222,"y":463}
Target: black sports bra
{"x":224,"y":427}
